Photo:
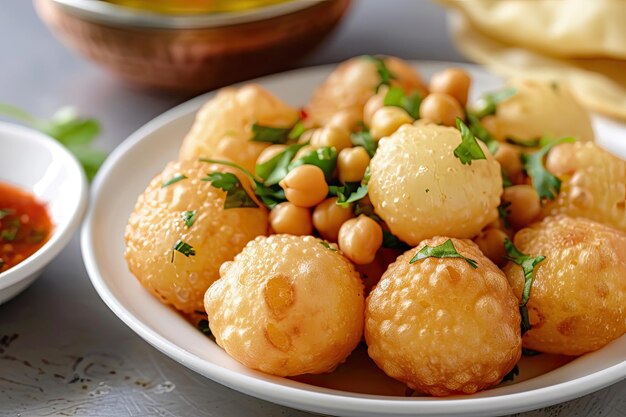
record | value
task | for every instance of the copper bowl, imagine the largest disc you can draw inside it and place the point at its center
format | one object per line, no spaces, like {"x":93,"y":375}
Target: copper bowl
{"x":193,"y":53}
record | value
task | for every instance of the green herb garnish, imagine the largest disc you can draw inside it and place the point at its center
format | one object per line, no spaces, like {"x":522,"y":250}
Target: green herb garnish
{"x":9,"y":233}
{"x":324,"y":158}
{"x":75,"y":133}
{"x":327,"y":246}
{"x":270,"y":134}
{"x":488,"y":103}
{"x":236,"y":195}
{"x":481,"y":133}
{"x":528,"y":265}
{"x":383,"y":72}
{"x":506,"y":181}
{"x":365,"y":140}
{"x":275,"y":169}
{"x":183,"y":248}
{"x":348,"y":193}
{"x":411,"y":104}
{"x":296,"y":131}
{"x":528,"y":143}
{"x":547,"y":185}
{"x":36,"y":236}
{"x":6,"y":212}
{"x":469,"y":149}
{"x":189,"y":217}
{"x":445,"y":250}
{"x":174,"y":180}
{"x":504,"y":214}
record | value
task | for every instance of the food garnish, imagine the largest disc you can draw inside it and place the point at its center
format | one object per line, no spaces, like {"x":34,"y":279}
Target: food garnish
{"x":174,"y":180}
{"x":445,"y":250}
{"x":528,"y":265}
{"x":469,"y":149}
{"x":325,"y":158}
{"x":364,"y":138}
{"x":236,"y":195}
{"x":411,"y":104}
{"x":488,"y":103}
{"x":189,"y":217}
{"x":184,"y":248}
{"x":547,"y":185}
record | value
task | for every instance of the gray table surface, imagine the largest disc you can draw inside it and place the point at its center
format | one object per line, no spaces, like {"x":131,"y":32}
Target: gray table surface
{"x":70,"y":354}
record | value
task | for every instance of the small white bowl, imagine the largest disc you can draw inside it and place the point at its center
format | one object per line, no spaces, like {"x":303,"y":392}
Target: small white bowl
{"x":40,"y":165}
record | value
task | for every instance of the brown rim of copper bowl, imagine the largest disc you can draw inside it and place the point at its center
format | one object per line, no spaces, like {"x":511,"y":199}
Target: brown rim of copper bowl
{"x":113,"y":14}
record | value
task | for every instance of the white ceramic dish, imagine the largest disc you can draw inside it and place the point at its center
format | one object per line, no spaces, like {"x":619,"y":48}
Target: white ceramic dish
{"x":128,"y":171}
{"x":37,"y":163}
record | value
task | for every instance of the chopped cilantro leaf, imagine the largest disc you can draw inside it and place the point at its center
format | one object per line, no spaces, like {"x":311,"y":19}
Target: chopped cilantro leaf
{"x":528,"y":143}
{"x":411,"y":104}
{"x":6,"y":212}
{"x":365,"y":140}
{"x":173,"y":180}
{"x":391,"y":241}
{"x":488,"y":104}
{"x":10,"y":231}
{"x":324,"y":158}
{"x":183,"y":248}
{"x":528,"y":265}
{"x":348,"y":193}
{"x":270,"y":134}
{"x":189,"y":217}
{"x":504,"y":214}
{"x":445,"y":250}
{"x":547,"y":185}
{"x":481,"y":133}
{"x":236,"y":195}
{"x":275,"y":169}
{"x":469,"y":149}
{"x":297,"y":130}
{"x":327,"y":246}
{"x":383,"y":72}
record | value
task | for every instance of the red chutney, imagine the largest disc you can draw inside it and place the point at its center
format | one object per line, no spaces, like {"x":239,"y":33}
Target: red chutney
{"x":24,"y":225}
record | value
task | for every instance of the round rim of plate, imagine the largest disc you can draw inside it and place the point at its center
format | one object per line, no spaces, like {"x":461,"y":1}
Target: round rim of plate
{"x":309,"y":397}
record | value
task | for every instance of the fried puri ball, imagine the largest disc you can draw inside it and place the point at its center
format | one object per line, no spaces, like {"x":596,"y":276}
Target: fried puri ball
{"x":593,"y":184}
{"x":216,"y":235}
{"x":353,"y":82}
{"x":577,"y":301}
{"x":540,"y":109}
{"x":287,"y":305}
{"x":223,"y":126}
{"x":420,"y":189}
{"x":441,"y":326}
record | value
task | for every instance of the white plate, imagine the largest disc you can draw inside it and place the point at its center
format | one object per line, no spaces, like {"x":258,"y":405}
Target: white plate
{"x":40,"y":165}
{"x":127,"y":172}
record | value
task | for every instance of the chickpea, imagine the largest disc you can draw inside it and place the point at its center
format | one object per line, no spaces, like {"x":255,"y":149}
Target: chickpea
{"x":360,"y":239}
{"x":287,"y":218}
{"x":307,"y":135}
{"x":491,"y":243}
{"x":352,"y":163}
{"x":491,"y":124}
{"x":270,"y":152}
{"x":509,"y":158}
{"x":337,"y":137}
{"x":305,"y":186}
{"x":387,"y":120}
{"x":525,"y":204}
{"x":372,"y":105}
{"x":454,"y":82}
{"x":345,"y":119}
{"x":441,"y":109}
{"x":328,"y":218}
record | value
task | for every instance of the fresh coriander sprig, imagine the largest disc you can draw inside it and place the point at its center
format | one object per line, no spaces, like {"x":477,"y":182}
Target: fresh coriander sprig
{"x":411,"y":104}
{"x":528,"y":265}
{"x":348,"y":193}
{"x":236,"y":195}
{"x":327,"y":246}
{"x":445,"y":250}
{"x":383,"y":72}
{"x":545,"y":183}
{"x":469,"y":149}
{"x":481,"y":133}
{"x":364,"y":139}
{"x":488,"y":103}
{"x":75,"y":133}
{"x":277,"y":135}
{"x":324,"y":158}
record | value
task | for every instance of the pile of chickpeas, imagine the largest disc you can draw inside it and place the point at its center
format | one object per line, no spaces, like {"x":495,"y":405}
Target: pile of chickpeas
{"x":306,"y":188}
